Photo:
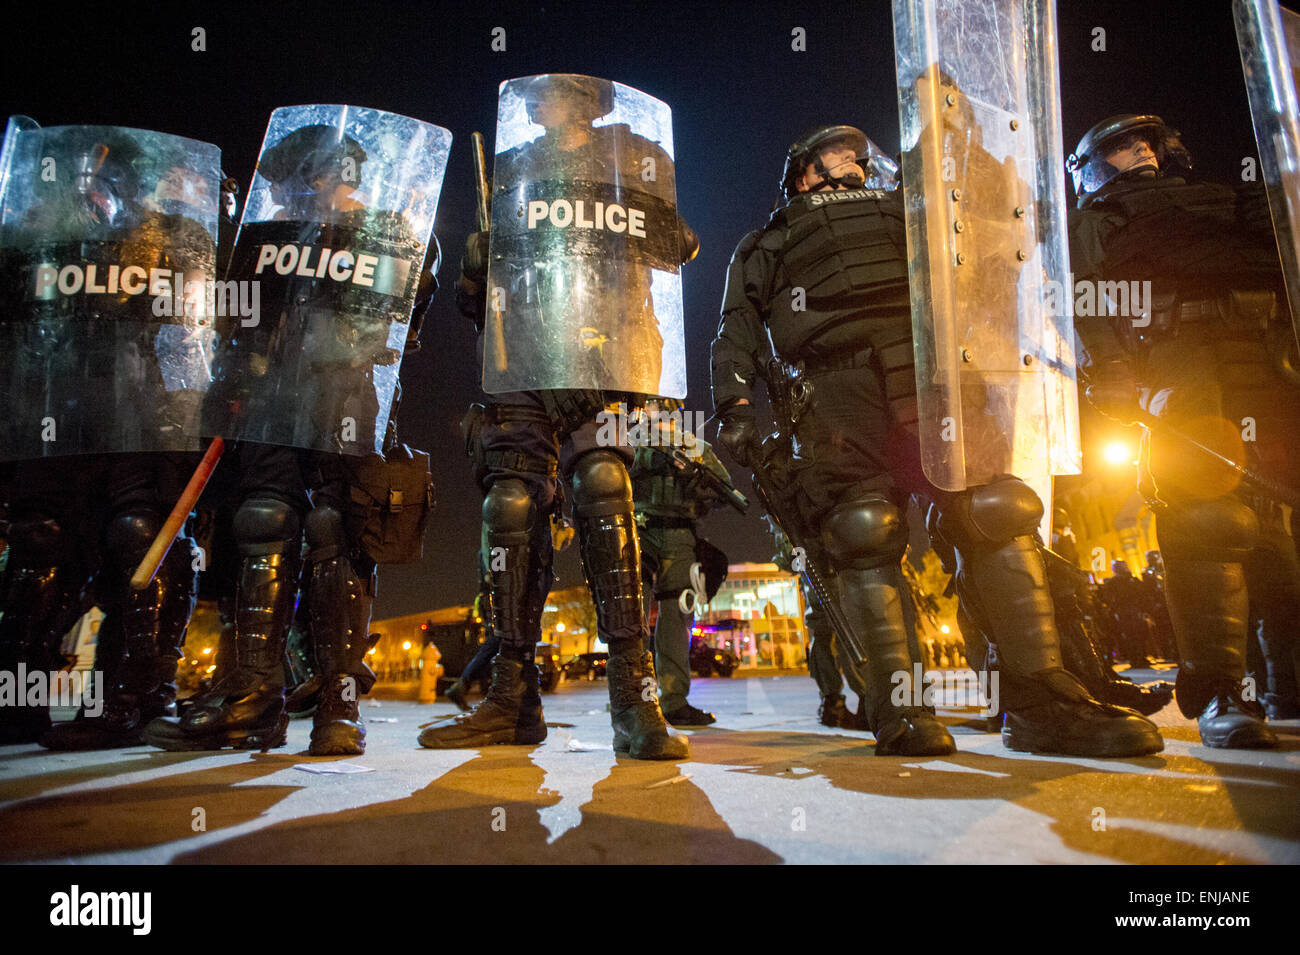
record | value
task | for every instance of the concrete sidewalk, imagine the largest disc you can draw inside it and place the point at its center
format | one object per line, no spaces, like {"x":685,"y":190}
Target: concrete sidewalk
{"x":766,"y":784}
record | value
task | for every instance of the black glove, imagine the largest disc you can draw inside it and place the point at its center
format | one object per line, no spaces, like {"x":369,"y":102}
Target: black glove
{"x":739,"y":433}
{"x":1113,"y":391}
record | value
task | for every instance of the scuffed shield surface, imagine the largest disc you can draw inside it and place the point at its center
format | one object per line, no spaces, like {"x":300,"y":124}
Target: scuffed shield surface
{"x":107,"y":255}
{"x":987,"y":241}
{"x":333,"y":237}
{"x":584,"y":289}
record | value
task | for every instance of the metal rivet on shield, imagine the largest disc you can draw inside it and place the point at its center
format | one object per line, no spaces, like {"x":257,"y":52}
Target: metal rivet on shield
{"x":1020,"y":212}
{"x":1020,"y":254}
{"x":966,"y":355}
{"x":961,"y":258}
{"x":1029,"y":359}
{"x":956,"y":195}
{"x":1015,"y":124}
{"x":957,"y":226}
{"x":950,"y":99}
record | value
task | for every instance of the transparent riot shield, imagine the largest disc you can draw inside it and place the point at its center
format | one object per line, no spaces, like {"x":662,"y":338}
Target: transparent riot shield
{"x":583,"y":284}
{"x":1269,"y":39}
{"x":987,"y":240}
{"x":323,"y":278}
{"x":107,"y":251}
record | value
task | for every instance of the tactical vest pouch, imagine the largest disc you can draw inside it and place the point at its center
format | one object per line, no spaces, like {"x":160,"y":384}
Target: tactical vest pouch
{"x":395,"y":494}
{"x":570,"y":410}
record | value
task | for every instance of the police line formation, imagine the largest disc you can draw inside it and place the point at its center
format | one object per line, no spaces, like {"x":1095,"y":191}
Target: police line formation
{"x":895,"y":309}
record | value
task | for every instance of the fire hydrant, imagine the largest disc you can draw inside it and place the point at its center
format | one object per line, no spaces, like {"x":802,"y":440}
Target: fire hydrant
{"x":430,"y":670}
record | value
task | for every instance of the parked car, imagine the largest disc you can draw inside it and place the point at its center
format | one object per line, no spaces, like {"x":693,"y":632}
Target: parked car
{"x":710,"y":661}
{"x":586,"y":666}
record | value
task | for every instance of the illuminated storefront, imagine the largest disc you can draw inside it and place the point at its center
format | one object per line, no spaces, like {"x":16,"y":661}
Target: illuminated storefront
{"x":758,"y":615}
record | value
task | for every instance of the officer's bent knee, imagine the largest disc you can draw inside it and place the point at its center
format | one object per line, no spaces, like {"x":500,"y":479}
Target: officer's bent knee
{"x":508,"y":507}
{"x":600,"y":478}
{"x":266,"y":525}
{"x":992,"y":514}
{"x":865,"y":534}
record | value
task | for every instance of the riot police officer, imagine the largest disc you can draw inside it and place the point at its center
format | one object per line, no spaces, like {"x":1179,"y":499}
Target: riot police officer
{"x":669,"y":502}
{"x":101,"y":365}
{"x":826,"y":281}
{"x":525,"y":442}
{"x":1209,"y":352}
{"x":289,"y":495}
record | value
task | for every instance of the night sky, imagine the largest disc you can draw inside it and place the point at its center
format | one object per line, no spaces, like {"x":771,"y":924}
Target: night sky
{"x":739,"y":96}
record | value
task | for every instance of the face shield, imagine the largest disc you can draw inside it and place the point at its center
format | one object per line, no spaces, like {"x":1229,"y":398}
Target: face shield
{"x":1090,"y":169}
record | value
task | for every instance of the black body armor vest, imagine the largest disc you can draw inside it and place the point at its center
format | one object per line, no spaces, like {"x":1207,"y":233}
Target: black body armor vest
{"x":847,"y":252}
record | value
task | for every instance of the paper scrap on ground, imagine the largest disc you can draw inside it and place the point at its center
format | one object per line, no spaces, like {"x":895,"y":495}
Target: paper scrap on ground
{"x":338,"y":769}
{"x":578,"y":746}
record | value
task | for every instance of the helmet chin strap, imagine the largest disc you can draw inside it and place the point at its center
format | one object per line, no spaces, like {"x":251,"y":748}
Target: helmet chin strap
{"x":850,"y":180}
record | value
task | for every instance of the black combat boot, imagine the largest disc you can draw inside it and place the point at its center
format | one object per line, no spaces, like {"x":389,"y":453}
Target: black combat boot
{"x":611,"y":561}
{"x":245,"y":709}
{"x":1203,"y":545}
{"x":40,"y":595}
{"x":1002,"y":586}
{"x":640,"y":730}
{"x":873,"y":600}
{"x":339,"y":604}
{"x":140,"y":661}
{"x":516,"y":548}
{"x":497,"y":718}
{"x":1047,"y":710}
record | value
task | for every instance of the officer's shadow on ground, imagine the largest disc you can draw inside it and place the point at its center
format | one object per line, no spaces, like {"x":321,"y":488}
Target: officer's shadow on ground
{"x":487,"y":811}
{"x":1064,"y":789}
{"x":137,"y":815}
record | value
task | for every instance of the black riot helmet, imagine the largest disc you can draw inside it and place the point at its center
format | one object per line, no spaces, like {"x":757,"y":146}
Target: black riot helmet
{"x":1120,"y":568}
{"x":591,"y":98}
{"x":306,"y":162}
{"x":98,"y":163}
{"x":1090,"y":170}
{"x":881,"y":171}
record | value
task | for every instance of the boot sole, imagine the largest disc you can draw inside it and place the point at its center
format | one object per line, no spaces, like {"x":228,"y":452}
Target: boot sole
{"x":653,"y":752}
{"x":1023,"y":740}
{"x":928,"y":745}
{"x":494,"y":738}
{"x":1244,"y":738}
{"x":255,"y":738}
{"x":530,"y":735}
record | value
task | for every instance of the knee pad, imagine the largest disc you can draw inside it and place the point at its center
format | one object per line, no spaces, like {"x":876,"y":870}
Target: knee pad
{"x":601,"y":485}
{"x":326,"y":535}
{"x":508,"y":513}
{"x":128,"y":537}
{"x":1219,"y":529}
{"x":865,"y":534}
{"x":992,"y":515}
{"x":266,"y":525}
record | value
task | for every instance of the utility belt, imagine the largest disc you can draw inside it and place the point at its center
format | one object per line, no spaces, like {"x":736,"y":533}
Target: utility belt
{"x":842,"y":361}
{"x":1246,"y":310}
{"x":486,"y":461}
{"x":518,"y":461}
